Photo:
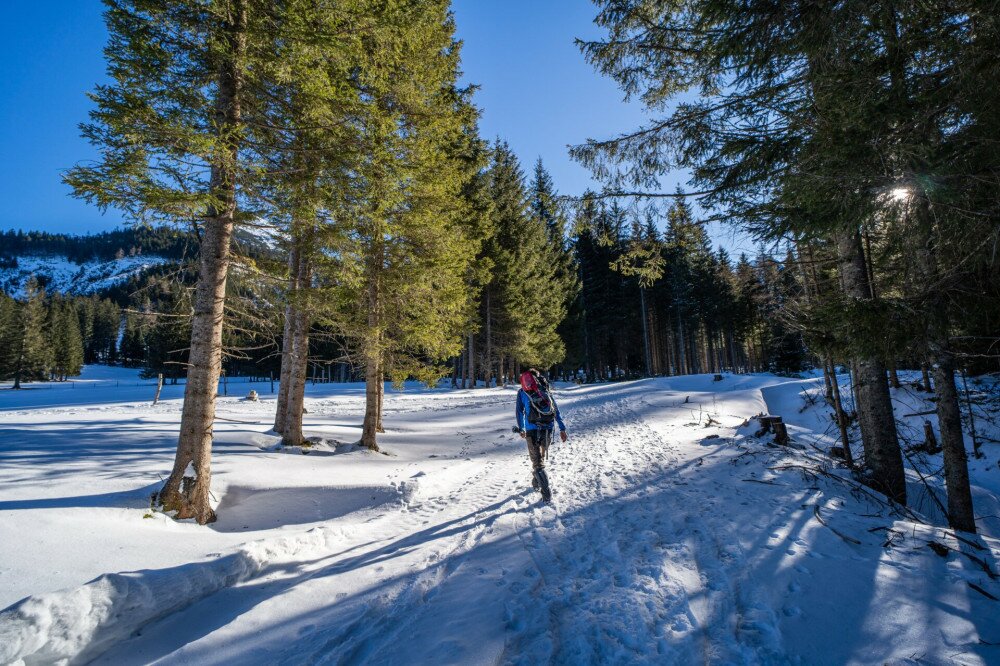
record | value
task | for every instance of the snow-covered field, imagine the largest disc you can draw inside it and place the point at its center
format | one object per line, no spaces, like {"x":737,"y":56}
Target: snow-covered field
{"x":675,"y":536}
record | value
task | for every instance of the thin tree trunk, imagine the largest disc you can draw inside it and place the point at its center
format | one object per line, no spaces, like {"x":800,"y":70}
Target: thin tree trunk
{"x":299,"y":358}
{"x":647,"y":354}
{"x":194,"y":445}
{"x":380,"y":387}
{"x":374,"y":354}
{"x":284,"y":377}
{"x":830,"y":370}
{"x":472,"y":360}
{"x":883,"y":457}
{"x":956,"y":465}
{"x":682,"y":352}
{"x":489,"y":339}
{"x":828,"y":379}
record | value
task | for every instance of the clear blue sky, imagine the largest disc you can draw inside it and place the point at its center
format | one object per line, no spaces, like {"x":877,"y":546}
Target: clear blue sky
{"x":536,"y":92}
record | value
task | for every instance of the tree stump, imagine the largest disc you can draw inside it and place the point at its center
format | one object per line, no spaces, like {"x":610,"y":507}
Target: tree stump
{"x":780,"y":432}
{"x":930,"y":439}
{"x":765,"y":424}
{"x":769,"y":424}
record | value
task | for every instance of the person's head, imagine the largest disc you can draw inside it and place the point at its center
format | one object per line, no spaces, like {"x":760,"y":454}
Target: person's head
{"x":531,"y":380}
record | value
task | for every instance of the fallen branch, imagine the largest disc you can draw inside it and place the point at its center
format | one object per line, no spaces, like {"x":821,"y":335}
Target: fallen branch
{"x":832,"y":529}
{"x":982,"y":592}
{"x":926,"y":413}
{"x":965,"y":541}
{"x":943,"y":551}
{"x":898,"y":509}
{"x":222,"y":418}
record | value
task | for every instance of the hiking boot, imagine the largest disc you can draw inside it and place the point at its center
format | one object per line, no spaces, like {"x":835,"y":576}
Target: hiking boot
{"x":542,"y":479}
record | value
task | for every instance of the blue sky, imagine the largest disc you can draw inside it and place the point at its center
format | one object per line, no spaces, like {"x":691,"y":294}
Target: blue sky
{"x":537,"y":92}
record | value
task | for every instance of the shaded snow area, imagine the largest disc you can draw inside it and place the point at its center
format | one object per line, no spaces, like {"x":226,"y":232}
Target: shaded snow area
{"x":675,"y":537}
{"x":64,"y":276}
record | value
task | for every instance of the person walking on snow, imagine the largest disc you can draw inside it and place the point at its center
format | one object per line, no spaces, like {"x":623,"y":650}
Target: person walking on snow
{"x":537,"y":414}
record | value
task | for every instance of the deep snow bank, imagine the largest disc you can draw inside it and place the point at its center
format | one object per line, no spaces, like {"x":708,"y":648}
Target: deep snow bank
{"x":74,"y":626}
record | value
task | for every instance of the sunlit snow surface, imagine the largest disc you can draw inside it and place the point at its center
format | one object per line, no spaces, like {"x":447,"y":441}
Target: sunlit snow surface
{"x":675,"y":536}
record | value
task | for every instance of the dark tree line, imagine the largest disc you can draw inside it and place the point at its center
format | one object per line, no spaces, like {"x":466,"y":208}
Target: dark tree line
{"x":104,"y":246}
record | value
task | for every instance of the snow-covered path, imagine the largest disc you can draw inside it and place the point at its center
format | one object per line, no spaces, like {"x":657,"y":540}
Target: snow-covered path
{"x":670,"y":540}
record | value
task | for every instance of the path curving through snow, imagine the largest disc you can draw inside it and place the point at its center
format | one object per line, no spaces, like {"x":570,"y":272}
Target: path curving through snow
{"x":671,"y":540}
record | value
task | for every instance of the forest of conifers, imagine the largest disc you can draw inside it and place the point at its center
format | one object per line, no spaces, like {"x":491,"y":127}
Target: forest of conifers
{"x":345,"y":219}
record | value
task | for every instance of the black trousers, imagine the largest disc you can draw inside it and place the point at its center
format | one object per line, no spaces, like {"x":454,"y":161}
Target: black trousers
{"x":539,"y":442}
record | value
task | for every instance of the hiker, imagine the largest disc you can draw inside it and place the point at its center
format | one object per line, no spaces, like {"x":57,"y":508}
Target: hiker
{"x":537,"y":414}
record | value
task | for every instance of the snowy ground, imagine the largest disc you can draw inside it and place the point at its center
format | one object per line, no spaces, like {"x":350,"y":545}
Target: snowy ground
{"x":675,"y":536}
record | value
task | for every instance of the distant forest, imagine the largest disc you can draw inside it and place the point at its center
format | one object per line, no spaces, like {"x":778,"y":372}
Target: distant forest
{"x":104,"y":246}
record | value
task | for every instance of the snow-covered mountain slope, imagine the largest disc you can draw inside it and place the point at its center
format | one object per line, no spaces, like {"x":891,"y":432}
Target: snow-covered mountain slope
{"x":676,"y":537}
{"x":62,"y":275}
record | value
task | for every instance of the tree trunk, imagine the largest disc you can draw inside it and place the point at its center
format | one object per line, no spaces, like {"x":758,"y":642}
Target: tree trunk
{"x":285,"y":374}
{"x":489,"y":340}
{"x":373,"y":377}
{"x":956,"y":465}
{"x":194,"y":445}
{"x":682,"y":352}
{"x":472,"y":360}
{"x":883,"y":457}
{"x":374,"y":353}
{"x":893,"y":376}
{"x":380,"y":388}
{"x":299,"y":357}
{"x":647,"y":355}
{"x":159,"y":387}
{"x":926,"y":377}
{"x":838,"y":406}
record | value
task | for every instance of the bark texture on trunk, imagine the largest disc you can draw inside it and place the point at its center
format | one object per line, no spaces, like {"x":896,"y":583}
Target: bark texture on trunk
{"x":374,"y":353}
{"x":489,"y":340}
{"x":647,"y":355}
{"x":472,"y":359}
{"x":287,"y":342}
{"x":380,"y":388}
{"x":298,"y":358}
{"x":883,"y":457}
{"x":838,"y":406}
{"x":189,"y":497}
{"x":373,"y":377}
{"x":942,"y":361}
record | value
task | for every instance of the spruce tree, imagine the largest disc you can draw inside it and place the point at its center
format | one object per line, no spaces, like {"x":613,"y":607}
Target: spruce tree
{"x":403,"y":268}
{"x":171,"y":127}
{"x":28,"y":353}
{"x":532,"y":275}
{"x":67,"y":343}
{"x":546,"y":208}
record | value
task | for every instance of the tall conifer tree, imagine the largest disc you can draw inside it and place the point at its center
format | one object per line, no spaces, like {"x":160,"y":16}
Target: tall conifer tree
{"x":170,"y":127}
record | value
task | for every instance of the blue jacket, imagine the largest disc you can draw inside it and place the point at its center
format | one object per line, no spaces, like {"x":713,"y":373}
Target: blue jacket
{"x":523,"y":407}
